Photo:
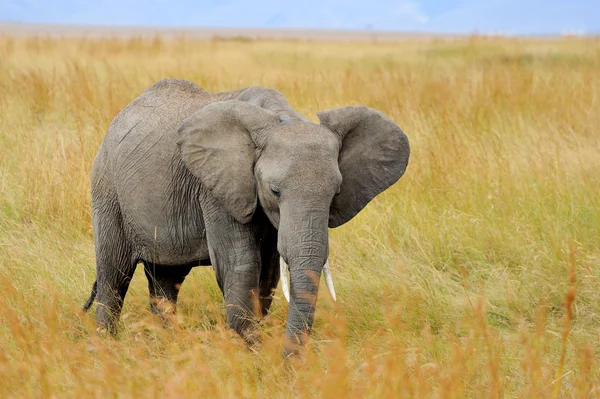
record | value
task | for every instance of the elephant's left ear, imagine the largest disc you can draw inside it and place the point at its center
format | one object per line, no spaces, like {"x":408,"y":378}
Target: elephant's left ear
{"x":373,"y":156}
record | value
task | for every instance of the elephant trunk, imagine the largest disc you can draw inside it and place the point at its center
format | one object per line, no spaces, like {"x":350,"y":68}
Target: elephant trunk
{"x":303,"y":243}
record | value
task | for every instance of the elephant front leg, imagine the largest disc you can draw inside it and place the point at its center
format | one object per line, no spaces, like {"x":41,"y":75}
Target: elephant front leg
{"x":243,"y":305}
{"x":235,"y":255}
{"x":269,"y":271}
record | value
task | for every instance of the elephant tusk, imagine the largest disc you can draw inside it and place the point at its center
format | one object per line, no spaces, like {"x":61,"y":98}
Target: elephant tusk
{"x":284,"y":273}
{"x":329,"y":279}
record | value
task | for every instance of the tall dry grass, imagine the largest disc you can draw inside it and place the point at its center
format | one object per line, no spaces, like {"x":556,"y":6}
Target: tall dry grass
{"x":477,"y":275}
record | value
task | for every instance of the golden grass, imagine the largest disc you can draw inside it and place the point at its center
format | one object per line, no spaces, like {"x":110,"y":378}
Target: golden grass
{"x":477,"y":275}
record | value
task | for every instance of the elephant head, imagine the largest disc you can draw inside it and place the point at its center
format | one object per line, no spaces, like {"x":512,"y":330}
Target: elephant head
{"x":306,"y":177}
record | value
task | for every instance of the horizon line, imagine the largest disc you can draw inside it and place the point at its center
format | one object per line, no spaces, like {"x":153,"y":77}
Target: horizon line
{"x":72,"y":29}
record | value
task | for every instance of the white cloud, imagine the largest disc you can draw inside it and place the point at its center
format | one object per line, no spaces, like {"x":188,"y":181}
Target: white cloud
{"x":411,"y":9}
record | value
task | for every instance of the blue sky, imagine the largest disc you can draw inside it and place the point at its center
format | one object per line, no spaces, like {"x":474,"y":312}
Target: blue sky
{"x":443,"y":16}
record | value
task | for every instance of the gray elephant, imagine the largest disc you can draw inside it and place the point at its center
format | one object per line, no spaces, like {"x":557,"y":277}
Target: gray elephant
{"x":236,"y":180}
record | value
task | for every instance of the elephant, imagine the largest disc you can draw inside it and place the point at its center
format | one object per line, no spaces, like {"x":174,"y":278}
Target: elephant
{"x":238,"y":180}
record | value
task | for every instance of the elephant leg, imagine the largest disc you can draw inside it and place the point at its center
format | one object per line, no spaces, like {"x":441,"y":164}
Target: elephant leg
{"x":269,"y":270}
{"x":115,"y":265}
{"x":164,"y":283}
{"x":235,"y":255}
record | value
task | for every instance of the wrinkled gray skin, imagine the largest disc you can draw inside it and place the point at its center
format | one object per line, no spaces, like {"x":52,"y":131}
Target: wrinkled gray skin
{"x":186,"y":178}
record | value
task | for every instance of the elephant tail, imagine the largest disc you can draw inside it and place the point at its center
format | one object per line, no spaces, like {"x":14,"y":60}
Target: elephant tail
{"x":90,"y":300}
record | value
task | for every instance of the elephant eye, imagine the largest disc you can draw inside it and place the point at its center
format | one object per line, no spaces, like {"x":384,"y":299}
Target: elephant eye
{"x":274,"y":190}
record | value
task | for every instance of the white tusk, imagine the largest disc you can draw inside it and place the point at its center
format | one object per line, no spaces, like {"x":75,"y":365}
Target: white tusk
{"x":284,"y":274}
{"x":328,"y":279}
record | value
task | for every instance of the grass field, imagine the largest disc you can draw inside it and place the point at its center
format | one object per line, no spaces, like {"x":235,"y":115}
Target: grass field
{"x":476,"y":275}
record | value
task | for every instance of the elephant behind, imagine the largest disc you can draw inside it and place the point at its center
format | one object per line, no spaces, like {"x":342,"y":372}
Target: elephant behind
{"x":236,"y":180}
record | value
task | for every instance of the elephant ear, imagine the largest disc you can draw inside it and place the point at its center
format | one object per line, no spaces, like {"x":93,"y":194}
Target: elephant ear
{"x":216,"y":144}
{"x":374,"y":155}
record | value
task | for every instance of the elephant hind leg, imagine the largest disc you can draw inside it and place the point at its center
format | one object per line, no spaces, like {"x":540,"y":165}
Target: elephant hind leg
{"x":164,"y":283}
{"x":115,"y":265}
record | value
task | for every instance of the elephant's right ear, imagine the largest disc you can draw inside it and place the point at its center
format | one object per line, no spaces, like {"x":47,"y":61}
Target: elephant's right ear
{"x":217,"y":146}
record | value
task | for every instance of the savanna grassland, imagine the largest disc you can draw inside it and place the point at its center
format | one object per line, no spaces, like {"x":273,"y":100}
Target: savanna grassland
{"x":476,"y":275}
